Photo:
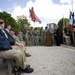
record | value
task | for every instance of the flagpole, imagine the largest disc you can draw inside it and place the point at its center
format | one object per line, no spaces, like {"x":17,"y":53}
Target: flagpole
{"x":63,"y":19}
{"x":29,"y":17}
{"x":72,"y":5}
{"x":34,"y":24}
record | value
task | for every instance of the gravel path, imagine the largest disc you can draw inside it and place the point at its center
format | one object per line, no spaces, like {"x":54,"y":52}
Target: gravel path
{"x":51,"y":60}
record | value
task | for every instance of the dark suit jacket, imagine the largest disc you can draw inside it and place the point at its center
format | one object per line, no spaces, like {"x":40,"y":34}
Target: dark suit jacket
{"x":57,"y":32}
{"x":10,"y":38}
{"x":4,"y":43}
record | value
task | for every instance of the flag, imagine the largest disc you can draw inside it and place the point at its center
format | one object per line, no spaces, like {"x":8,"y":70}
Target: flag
{"x":70,"y":18}
{"x":73,"y":18}
{"x":37,"y":19}
{"x":70,"y":23}
{"x":63,"y":21}
{"x":33,"y":15}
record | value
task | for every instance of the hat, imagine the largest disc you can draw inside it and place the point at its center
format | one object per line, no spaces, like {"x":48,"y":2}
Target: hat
{"x":1,"y":21}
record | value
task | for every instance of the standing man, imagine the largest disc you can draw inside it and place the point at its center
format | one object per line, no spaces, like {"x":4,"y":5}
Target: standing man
{"x":32,"y":36}
{"x":64,"y":34}
{"x":27,"y":37}
{"x":36,"y":33}
{"x":71,"y":33}
{"x":57,"y":35}
{"x":41,"y":36}
{"x":20,"y":35}
{"x":45,"y":32}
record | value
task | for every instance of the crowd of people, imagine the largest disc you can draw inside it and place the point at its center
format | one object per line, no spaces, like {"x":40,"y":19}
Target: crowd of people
{"x":12,"y":48}
{"x":51,"y":35}
{"x":35,"y":37}
{"x":70,"y":31}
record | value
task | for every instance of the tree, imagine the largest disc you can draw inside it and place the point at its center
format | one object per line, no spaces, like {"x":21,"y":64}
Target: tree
{"x":8,"y":19}
{"x":23,"y":22}
{"x":60,"y":24}
{"x":66,"y":22}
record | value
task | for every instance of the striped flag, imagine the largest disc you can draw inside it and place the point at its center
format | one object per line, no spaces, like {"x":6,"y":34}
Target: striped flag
{"x":70,"y":18}
{"x":37,"y":19}
{"x":73,"y":18}
{"x":33,"y":15}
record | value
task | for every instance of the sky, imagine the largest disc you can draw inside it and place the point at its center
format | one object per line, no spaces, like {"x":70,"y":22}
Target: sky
{"x":49,"y":11}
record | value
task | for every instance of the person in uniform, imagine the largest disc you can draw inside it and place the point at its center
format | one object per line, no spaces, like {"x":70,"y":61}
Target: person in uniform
{"x":13,"y":53}
{"x":29,"y":34}
{"x":27,"y":37}
{"x":36,"y":39}
{"x":41,"y":36}
{"x":45,"y":32}
{"x":20,"y":35}
{"x":32,"y":36}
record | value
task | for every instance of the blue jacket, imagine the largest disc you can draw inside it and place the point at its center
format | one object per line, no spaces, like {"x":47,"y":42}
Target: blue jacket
{"x":4,"y":43}
{"x":10,"y":38}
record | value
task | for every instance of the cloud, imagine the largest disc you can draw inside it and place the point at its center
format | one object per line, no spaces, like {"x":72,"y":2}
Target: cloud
{"x":65,"y":1}
{"x":0,"y":10}
{"x":45,"y":10}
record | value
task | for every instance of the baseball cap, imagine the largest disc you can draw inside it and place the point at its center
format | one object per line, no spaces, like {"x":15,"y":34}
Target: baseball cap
{"x":1,"y":21}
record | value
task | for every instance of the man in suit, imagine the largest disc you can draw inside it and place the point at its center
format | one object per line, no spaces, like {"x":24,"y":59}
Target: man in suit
{"x":57,"y":35}
{"x":14,"y":54}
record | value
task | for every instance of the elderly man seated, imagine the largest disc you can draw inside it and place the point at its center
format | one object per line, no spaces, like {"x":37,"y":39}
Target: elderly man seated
{"x":12,"y":38}
{"x":12,"y":53}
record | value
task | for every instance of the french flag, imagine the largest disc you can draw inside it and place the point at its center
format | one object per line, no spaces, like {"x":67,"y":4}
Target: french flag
{"x":71,"y":18}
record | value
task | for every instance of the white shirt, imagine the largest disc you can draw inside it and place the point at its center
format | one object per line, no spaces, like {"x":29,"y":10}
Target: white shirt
{"x":5,"y":33}
{"x":7,"y":30}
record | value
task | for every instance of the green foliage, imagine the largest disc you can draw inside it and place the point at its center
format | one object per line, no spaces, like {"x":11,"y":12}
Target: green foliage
{"x":8,"y":19}
{"x":60,"y":23}
{"x":23,"y":22}
{"x":38,"y":28}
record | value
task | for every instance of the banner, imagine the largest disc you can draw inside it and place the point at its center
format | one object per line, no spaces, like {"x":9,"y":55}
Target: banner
{"x":33,"y":15}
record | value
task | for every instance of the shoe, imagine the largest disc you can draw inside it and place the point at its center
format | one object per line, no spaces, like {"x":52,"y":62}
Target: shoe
{"x":27,"y":70}
{"x":28,"y":55}
{"x":16,"y":71}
